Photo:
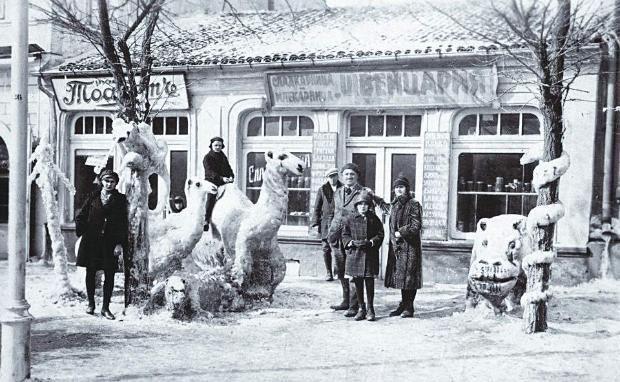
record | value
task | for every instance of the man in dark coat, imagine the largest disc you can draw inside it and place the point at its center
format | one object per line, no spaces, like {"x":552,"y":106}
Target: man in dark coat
{"x":343,"y":207}
{"x":217,"y":171}
{"x":404,"y":267}
{"x":102,"y":225}
{"x":324,"y":214}
{"x":362,"y":235}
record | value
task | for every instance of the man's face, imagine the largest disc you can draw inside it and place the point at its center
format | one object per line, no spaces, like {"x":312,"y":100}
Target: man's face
{"x":217,"y":146}
{"x":333,"y":179}
{"x":362,"y":207}
{"x":349,"y":177}
{"x":108,"y":183}
{"x":399,"y":190}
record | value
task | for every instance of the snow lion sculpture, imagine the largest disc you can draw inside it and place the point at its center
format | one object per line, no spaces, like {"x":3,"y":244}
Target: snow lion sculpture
{"x":495,"y":272}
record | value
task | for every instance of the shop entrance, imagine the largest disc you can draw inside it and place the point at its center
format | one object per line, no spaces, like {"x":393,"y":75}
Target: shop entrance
{"x":379,"y":168}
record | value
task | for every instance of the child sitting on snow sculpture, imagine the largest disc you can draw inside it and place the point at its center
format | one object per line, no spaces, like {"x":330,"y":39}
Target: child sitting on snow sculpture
{"x":217,"y":171}
{"x":362,"y":234}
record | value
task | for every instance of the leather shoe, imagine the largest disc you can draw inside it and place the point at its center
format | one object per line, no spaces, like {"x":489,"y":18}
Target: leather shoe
{"x":350,"y":313}
{"x":329,"y":277}
{"x":371,"y":315}
{"x":342,"y":306}
{"x":90,"y":310}
{"x":398,"y":310}
{"x":407,"y":314}
{"x":107,"y":314}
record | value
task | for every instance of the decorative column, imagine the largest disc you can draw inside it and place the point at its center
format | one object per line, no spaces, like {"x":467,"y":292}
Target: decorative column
{"x":15,"y":318}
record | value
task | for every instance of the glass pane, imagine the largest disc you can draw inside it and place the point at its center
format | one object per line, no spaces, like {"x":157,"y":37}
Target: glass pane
{"x":413,"y":125}
{"x":183,"y":126}
{"x":178,"y":174}
{"x":368,"y":169}
{"x":289,"y":126}
{"x":99,"y":122}
{"x":514,"y":204}
{"x":375,"y":125}
{"x":171,"y":125}
{"x":306,"y":126}
{"x":403,"y":164}
{"x":255,"y":127}
{"x":153,"y":195}
{"x":509,"y":124}
{"x":79,"y":126}
{"x":531,"y":124}
{"x":108,"y":125}
{"x":158,"y":126}
{"x":394,"y":125}
{"x":88,"y":125}
{"x":467,"y":126}
{"x":272,"y":126}
{"x":299,"y":196}
{"x":255,"y":165}
{"x":358,"y":126}
{"x":488,"y":124}
{"x":84,"y":178}
{"x":489,"y":205}
{"x":466,"y":219}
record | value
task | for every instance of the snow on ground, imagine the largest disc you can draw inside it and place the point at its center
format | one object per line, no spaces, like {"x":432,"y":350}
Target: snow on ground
{"x":298,"y":338}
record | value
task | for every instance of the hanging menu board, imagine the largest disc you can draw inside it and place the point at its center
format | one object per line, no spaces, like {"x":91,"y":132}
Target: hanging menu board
{"x":435,"y":184}
{"x":324,"y":147}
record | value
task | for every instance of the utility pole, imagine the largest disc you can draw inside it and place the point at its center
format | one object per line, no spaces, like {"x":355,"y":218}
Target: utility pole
{"x":15,"y":318}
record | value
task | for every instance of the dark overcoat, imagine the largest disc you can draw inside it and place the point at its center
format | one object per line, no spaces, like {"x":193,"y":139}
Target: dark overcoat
{"x":217,"y":167}
{"x":362,"y":262}
{"x":404,"y":265}
{"x":323,"y":213}
{"x":101,"y":227}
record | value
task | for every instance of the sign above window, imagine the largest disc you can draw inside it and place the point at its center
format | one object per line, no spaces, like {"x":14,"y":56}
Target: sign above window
{"x":395,"y":88}
{"x":166,"y":92}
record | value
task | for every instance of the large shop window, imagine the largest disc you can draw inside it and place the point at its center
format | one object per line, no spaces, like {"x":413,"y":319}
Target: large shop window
{"x":280,"y":126}
{"x":4,"y":183}
{"x":389,"y":125}
{"x":298,"y":213}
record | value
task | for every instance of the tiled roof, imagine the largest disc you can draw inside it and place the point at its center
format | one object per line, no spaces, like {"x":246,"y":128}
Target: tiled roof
{"x":314,"y":35}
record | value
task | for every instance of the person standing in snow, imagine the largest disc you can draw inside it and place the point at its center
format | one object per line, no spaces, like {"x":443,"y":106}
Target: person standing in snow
{"x":323,"y":215}
{"x":217,"y":171}
{"x":404,"y":266}
{"x":362,"y":235}
{"x":102,"y":225}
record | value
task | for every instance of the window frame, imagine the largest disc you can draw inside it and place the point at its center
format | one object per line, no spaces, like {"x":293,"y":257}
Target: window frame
{"x":276,"y":138}
{"x":483,"y":144}
{"x":383,"y":138}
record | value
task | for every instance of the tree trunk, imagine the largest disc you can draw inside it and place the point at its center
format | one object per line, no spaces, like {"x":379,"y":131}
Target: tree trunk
{"x":136,"y":260}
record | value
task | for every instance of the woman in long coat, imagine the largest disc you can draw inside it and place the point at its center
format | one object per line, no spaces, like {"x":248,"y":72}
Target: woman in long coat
{"x":404,"y":267}
{"x":102,"y":225}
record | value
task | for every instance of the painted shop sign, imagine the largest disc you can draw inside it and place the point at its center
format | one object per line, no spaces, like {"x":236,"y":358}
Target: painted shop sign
{"x":435,"y":182}
{"x":166,"y":92}
{"x":405,"y":88}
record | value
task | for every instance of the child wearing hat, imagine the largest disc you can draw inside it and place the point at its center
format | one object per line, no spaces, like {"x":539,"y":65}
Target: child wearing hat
{"x":324,"y":214}
{"x":217,"y":171}
{"x":362,"y":235}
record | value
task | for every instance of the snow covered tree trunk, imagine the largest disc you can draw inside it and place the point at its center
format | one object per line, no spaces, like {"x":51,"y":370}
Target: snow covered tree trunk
{"x":137,"y":257}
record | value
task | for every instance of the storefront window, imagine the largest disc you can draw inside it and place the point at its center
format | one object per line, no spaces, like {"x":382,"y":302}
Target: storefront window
{"x":4,"y":182}
{"x":92,"y":125}
{"x":172,"y":125}
{"x":389,"y":125}
{"x":491,"y":184}
{"x":288,"y":126}
{"x":508,"y":124}
{"x":298,"y":213}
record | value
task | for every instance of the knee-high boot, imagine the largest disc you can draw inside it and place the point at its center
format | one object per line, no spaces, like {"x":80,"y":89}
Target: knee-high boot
{"x":353,"y":303}
{"x":408,"y":303}
{"x":346,"y":292}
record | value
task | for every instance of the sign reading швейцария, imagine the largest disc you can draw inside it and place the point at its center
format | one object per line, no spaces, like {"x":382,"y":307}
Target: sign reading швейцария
{"x":166,"y":92}
{"x":441,"y":87}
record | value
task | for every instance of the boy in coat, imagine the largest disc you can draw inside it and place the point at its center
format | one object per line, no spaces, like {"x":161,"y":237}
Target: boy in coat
{"x":324,"y":214}
{"x":362,"y":235}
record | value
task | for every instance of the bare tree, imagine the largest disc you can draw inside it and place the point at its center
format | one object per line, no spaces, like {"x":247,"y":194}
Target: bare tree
{"x":122,"y":35}
{"x":553,"y":40}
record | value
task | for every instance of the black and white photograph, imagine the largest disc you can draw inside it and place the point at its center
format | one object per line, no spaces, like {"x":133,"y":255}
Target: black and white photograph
{"x":310,"y":190}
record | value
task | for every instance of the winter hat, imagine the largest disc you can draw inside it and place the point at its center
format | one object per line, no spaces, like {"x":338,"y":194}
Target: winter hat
{"x":331,"y":171}
{"x":219,"y":139}
{"x":351,"y":166}
{"x":107,"y":173}
{"x":363,"y":196}
{"x":401,"y":180}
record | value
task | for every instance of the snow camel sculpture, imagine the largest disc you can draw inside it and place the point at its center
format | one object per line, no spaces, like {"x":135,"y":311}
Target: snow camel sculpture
{"x":505,"y":247}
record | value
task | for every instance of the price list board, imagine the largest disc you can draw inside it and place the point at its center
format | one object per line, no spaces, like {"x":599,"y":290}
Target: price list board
{"x":324,"y":148}
{"x":435,"y":184}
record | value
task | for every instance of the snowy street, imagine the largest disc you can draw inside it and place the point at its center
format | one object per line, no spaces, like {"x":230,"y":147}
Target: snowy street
{"x":298,"y":338}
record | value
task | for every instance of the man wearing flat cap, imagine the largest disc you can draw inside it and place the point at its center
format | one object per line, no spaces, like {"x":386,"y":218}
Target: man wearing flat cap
{"x":323,"y":215}
{"x":343,"y":208}
{"x":217,"y":171}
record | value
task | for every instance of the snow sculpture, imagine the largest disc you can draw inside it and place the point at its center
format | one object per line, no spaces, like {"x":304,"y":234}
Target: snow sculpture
{"x":177,"y":298}
{"x":141,"y":150}
{"x":173,"y":238}
{"x":495,"y":272}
